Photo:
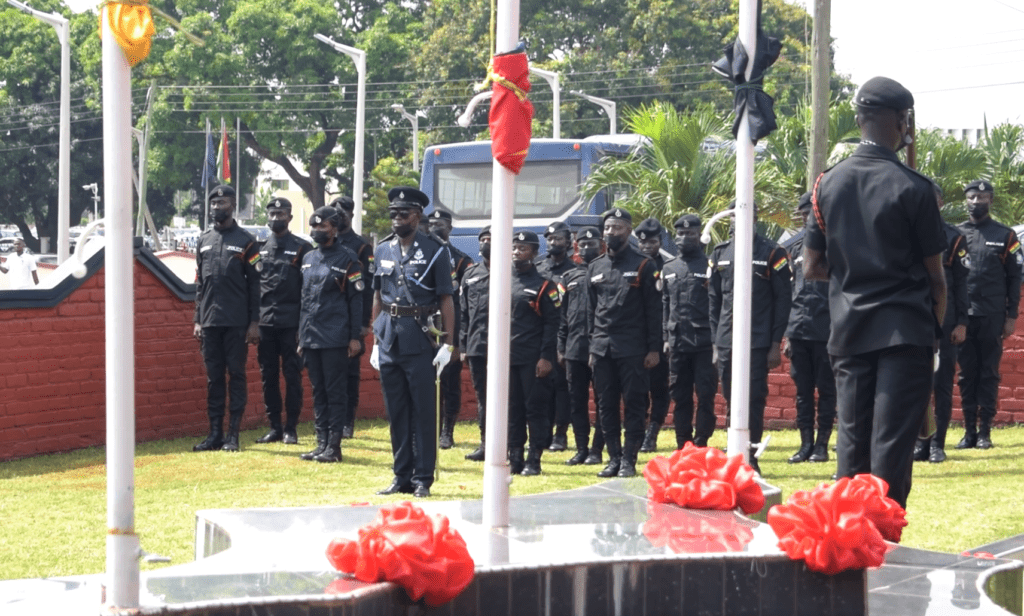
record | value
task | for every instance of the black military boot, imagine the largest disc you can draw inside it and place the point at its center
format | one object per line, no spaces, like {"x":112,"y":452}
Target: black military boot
{"x":651,"y":438}
{"x":231,"y":439}
{"x":984,"y":436}
{"x":275,"y":434}
{"x":332,"y":452}
{"x":806,"y":446}
{"x":532,"y":466}
{"x":582,"y":453}
{"x":820,"y":453}
{"x":349,"y":429}
{"x":970,"y":439}
{"x":627,"y":466}
{"x":921,"y":448}
{"x":515,"y":460}
{"x":478,"y":454}
{"x":614,"y":461}
{"x":215,"y":440}
{"x":290,"y":436}
{"x":560,"y":441}
{"x":447,"y":433}
{"x":321,"y":444}
{"x":594,"y":455}
{"x":753,"y":460}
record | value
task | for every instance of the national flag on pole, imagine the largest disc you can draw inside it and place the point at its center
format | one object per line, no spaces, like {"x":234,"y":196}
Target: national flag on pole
{"x":209,"y":163}
{"x":511,"y":110}
{"x":223,"y":155}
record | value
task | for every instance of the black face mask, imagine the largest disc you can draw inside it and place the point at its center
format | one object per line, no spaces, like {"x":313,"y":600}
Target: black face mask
{"x":485,"y":250}
{"x":320,"y":236}
{"x":688,"y":248}
{"x":589,"y":254}
{"x":220,"y":216}
{"x":977,"y":210}
{"x":556,"y":251}
{"x":615,"y":243}
{"x":278,"y":226}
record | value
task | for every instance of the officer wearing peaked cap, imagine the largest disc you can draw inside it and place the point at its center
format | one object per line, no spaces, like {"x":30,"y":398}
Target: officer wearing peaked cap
{"x":648,"y":234}
{"x":875,"y":234}
{"x":552,"y":265}
{"x":413,"y":280}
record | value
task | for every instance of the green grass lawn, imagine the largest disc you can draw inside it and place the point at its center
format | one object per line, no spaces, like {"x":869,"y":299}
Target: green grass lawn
{"x":54,"y":507}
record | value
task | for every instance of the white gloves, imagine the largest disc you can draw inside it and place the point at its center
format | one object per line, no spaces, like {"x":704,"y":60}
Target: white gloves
{"x":444,"y":355}
{"x":375,"y":358}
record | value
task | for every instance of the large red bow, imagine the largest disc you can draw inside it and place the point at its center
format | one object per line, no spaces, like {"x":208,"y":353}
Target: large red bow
{"x":511,"y":112}
{"x":703,"y":478}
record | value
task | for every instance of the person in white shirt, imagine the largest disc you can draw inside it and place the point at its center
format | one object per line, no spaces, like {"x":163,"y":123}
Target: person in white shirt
{"x":21,"y":267}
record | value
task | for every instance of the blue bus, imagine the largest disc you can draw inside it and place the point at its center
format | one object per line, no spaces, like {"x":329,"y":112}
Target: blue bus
{"x":457,"y":178}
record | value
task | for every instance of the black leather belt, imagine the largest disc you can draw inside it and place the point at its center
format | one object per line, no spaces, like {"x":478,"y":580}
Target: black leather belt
{"x":409,"y":311}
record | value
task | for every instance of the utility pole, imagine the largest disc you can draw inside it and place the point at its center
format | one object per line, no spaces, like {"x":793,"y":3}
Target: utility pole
{"x":821,"y":70}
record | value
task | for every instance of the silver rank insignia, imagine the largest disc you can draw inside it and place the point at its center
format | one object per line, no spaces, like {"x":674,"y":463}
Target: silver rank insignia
{"x":418,"y":255}
{"x":259,"y":266}
{"x":360,"y":285}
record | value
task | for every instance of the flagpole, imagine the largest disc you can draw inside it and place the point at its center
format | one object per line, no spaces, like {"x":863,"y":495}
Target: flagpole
{"x":237,"y":175}
{"x":206,"y":189}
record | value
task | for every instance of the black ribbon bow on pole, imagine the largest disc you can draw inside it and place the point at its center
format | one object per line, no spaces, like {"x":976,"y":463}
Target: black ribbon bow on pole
{"x":749,"y":95}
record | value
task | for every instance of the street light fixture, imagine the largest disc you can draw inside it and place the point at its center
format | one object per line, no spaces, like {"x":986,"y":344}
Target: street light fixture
{"x":608,"y":106}
{"x":94,"y":187}
{"x":415,"y":119}
{"x":64,"y":171}
{"x":359,"y":57}
{"x":553,"y":80}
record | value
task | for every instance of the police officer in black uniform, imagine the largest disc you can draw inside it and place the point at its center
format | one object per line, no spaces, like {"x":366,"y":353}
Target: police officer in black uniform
{"x":688,"y":335}
{"x":329,"y":328}
{"x":574,"y":346}
{"x":876,"y":236}
{"x":648,"y":234}
{"x":227,"y":314}
{"x":994,"y":289}
{"x":473,"y":314}
{"x":625,"y":339}
{"x":451,"y":378}
{"x":348,"y":238}
{"x":771,"y":297}
{"x":280,"y":296}
{"x":956,"y":264}
{"x":806,"y":347}
{"x":532,"y":346}
{"x":552,"y":265}
{"x":413,"y":280}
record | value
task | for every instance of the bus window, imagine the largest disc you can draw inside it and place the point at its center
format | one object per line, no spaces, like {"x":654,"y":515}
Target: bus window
{"x":544,"y":189}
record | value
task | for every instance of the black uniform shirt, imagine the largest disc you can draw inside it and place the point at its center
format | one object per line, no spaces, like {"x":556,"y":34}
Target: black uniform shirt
{"x":625,"y":305}
{"x":547,"y":268}
{"x":808,"y":318}
{"x":227,"y":283}
{"x":573,"y":335}
{"x":685,"y":302}
{"x":281,"y":280}
{"x":332,"y":298}
{"x":771,"y":293}
{"x":364,"y":251}
{"x":474,"y":296}
{"x":460,"y":262}
{"x":535,"y":304}
{"x":994,"y":282}
{"x":956,"y":263}
{"x":427,"y":278}
{"x":876,"y":220}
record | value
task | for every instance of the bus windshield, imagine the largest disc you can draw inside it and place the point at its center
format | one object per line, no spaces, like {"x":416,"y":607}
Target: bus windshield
{"x":544,"y":189}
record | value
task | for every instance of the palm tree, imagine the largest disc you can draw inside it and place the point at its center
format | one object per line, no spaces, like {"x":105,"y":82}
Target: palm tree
{"x":951,"y":163}
{"x":1003,"y":148}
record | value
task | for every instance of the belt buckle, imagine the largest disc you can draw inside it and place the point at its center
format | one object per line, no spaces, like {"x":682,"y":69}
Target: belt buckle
{"x":393,"y":310}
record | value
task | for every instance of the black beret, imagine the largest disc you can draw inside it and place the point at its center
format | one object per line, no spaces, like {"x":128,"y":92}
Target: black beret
{"x":589,"y":233}
{"x":222,"y":191}
{"x":485,"y":231}
{"x":804,"y":203}
{"x":981,"y":186}
{"x":407,"y":196}
{"x":280,"y":203}
{"x":325,"y":213}
{"x":343,"y":203}
{"x":618,"y":214}
{"x":440,"y":215}
{"x":526,"y":237}
{"x":558,"y":227}
{"x":883,"y":93}
{"x":647,"y":229}
{"x":687,"y":221}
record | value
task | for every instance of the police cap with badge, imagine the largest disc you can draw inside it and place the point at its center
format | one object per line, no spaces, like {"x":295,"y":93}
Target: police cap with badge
{"x":589,"y":233}
{"x":557,"y":227}
{"x":402,"y":197}
{"x":324,"y":214}
{"x":222,"y":190}
{"x":687,"y":221}
{"x":438,"y":214}
{"x":617,"y":214}
{"x":648,"y":229}
{"x":485,"y":231}
{"x":343,"y":202}
{"x":883,"y":93}
{"x":983,"y":186}
{"x":279,"y":203}
{"x":526,"y":237}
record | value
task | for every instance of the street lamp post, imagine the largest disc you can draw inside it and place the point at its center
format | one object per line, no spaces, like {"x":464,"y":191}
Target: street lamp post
{"x":64,"y":172}
{"x":603,"y":103}
{"x":415,"y":119}
{"x":554,"y":80}
{"x":359,"y":57}
{"x":95,"y":188}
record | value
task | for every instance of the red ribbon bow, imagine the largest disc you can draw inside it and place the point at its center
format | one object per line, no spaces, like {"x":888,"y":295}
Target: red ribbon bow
{"x":703,"y":478}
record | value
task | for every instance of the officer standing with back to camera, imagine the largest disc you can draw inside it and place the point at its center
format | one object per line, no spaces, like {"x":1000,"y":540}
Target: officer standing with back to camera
{"x":552,"y":265}
{"x":280,"y":298}
{"x":348,"y":238}
{"x":574,"y":347}
{"x":648,"y":234}
{"x":771,"y":297}
{"x":227,"y":315}
{"x":688,"y":335}
{"x":473,"y":315}
{"x":413,"y":280}
{"x":625,"y":339}
{"x":876,"y":236}
{"x":994,"y":289}
{"x":329,"y":328}
{"x":956,"y":264}
{"x":806,"y":346}
{"x":451,"y":378}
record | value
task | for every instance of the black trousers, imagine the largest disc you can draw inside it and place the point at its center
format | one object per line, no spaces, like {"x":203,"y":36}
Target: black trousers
{"x":626,"y":379}
{"x":353,"y":377}
{"x":693,"y":373}
{"x":883,"y":396}
{"x":478,"y":372}
{"x":559,"y":407}
{"x":328,"y":374}
{"x":578,"y":377}
{"x":942,"y":384}
{"x":659,"y":397}
{"x":451,"y":389}
{"x":758,"y":387}
{"x":224,"y":349}
{"x":979,"y":357}
{"x":528,"y":402}
{"x":811,"y":369}
{"x":278,"y":353}
{"x":408,"y":386}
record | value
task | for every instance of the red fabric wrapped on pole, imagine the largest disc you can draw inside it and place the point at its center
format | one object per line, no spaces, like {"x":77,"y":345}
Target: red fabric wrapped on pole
{"x":511,"y":111}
